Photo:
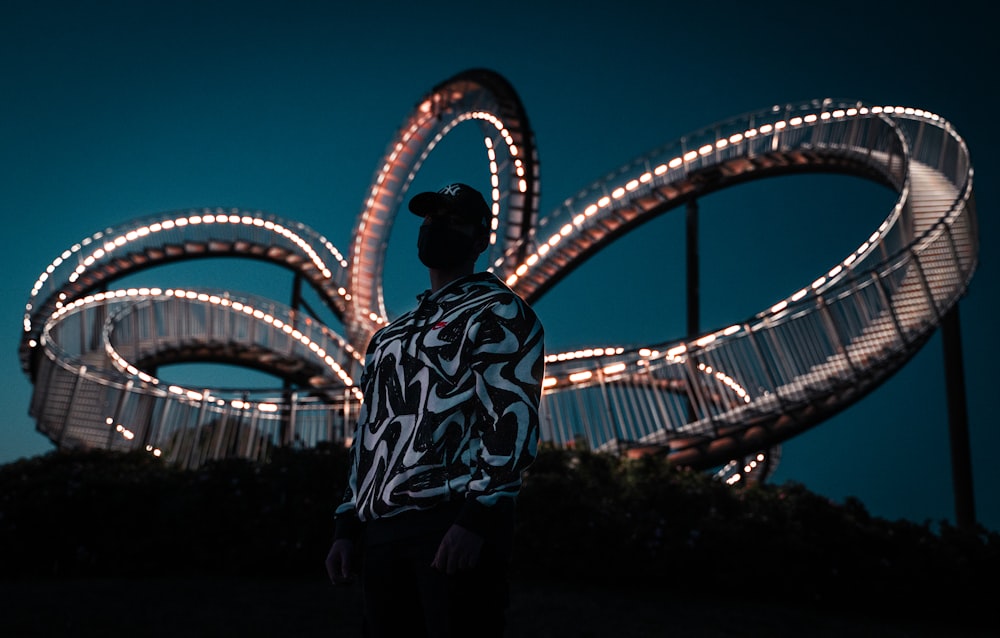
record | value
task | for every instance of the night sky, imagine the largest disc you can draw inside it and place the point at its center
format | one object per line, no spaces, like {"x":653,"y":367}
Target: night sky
{"x":116,"y":111}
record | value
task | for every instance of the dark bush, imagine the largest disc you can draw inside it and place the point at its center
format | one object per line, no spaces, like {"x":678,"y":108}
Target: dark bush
{"x":641,"y":523}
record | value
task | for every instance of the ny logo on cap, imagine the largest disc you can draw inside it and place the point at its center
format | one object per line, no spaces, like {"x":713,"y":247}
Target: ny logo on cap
{"x":451,"y":190}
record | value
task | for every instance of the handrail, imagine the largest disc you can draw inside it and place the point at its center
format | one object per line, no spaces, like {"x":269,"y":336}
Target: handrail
{"x":95,"y":260}
{"x":729,"y":392}
{"x":735,"y":361}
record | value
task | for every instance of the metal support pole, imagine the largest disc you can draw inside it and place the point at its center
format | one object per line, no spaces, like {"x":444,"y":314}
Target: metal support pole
{"x":693,"y":291}
{"x":296,"y":302}
{"x":287,"y":424}
{"x":958,"y":422}
{"x":693,"y":275}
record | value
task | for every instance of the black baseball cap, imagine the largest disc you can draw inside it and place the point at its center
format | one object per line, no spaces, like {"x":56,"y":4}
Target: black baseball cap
{"x":459,"y":200}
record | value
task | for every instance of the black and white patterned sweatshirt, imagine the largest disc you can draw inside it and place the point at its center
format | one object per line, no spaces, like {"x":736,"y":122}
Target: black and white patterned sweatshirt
{"x":450,"y":412}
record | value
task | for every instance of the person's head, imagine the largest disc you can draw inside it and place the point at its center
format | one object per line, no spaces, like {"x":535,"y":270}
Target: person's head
{"x":456,"y":228}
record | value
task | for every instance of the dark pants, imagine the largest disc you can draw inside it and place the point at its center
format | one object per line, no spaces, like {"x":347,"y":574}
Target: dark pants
{"x":405,"y":596}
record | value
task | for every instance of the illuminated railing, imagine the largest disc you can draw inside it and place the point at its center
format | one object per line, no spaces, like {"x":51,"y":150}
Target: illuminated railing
{"x":93,"y":387}
{"x":473,"y":96}
{"x":104,"y":256}
{"x":861,"y":136}
{"x":726,"y":397}
{"x":810,"y":354}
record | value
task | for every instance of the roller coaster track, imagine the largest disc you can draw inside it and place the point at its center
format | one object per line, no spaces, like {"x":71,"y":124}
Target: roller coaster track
{"x":728,"y":397}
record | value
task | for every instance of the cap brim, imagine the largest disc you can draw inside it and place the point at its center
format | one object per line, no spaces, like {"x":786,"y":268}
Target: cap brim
{"x":423,"y":204}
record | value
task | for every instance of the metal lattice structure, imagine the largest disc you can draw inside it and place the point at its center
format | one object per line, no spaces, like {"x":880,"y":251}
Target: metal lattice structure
{"x":730,"y":394}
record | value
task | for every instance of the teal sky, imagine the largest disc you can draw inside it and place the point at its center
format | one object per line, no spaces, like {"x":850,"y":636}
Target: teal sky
{"x":117,"y":110}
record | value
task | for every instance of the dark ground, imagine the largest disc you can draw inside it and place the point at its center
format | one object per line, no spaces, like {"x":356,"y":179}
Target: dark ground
{"x":192,"y":608}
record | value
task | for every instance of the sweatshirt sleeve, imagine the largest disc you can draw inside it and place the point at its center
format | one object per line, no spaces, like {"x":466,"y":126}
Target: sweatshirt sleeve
{"x":346,"y":522}
{"x":508,"y":362}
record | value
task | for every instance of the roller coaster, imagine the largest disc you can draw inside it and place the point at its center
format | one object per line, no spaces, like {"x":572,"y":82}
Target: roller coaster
{"x":724,"y":399}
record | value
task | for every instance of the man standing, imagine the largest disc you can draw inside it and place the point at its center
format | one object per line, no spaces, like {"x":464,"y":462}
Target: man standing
{"x":448,"y":424}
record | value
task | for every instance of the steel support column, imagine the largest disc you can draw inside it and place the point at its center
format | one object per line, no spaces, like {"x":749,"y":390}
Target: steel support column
{"x":958,"y":421}
{"x":693,"y":290}
{"x":693,"y":274}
